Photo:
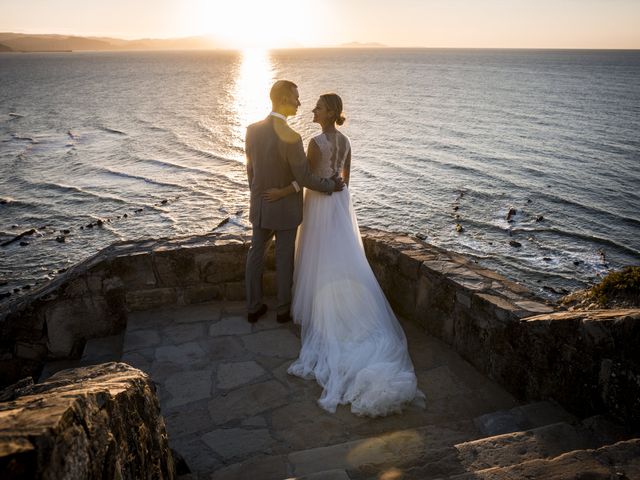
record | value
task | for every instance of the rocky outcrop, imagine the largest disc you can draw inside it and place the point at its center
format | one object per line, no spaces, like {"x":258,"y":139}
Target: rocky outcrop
{"x":99,"y":422}
{"x":618,"y":290}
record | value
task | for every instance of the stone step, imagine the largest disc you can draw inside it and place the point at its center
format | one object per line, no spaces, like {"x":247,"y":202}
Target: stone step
{"x":522,"y":417}
{"x":517,"y":447}
{"x":428,"y":451}
{"x":617,"y":461}
{"x":325,"y":475}
{"x":361,"y":458}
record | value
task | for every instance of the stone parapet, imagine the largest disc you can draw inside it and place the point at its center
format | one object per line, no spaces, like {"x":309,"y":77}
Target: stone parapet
{"x":587,"y":361}
{"x":95,"y":422}
{"x":487,"y":318}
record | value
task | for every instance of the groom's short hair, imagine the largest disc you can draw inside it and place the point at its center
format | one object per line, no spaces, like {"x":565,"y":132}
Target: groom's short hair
{"x":280,"y":89}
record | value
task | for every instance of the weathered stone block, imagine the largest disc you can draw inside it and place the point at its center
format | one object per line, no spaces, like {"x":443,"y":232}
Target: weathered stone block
{"x":220,"y":267}
{"x":202,"y":293}
{"x":135,"y":270}
{"x":30,"y":351}
{"x":96,"y":422}
{"x":176,"y":267}
{"x":152,"y":298}
{"x":435,"y":300}
{"x":235,"y":291}
{"x":70,"y":322}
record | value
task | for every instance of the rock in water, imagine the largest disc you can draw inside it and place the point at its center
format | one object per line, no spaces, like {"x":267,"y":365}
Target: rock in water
{"x":18,"y":237}
{"x":126,"y":437}
{"x":222,"y":223}
{"x":459,"y":228}
{"x":539,"y":218}
{"x":515,"y":243}
{"x":510,"y":214}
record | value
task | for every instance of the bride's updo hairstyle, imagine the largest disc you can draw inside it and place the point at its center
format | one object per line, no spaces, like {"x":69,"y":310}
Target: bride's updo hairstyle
{"x":334,"y":103}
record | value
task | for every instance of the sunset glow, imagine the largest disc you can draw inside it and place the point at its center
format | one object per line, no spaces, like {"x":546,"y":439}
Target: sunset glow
{"x":320,"y":23}
{"x":252,"y":23}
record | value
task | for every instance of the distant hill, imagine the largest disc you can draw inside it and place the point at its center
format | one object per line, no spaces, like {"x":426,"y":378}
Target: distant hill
{"x":362,"y":45}
{"x":5,"y":48}
{"x":51,"y":43}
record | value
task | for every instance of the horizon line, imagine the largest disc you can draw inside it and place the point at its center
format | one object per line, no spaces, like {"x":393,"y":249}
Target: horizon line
{"x":366,"y":45}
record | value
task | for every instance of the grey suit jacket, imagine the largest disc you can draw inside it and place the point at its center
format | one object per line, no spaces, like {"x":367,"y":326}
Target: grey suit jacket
{"x":275,"y":157}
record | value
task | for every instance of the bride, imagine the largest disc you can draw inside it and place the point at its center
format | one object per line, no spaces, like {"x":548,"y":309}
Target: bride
{"x":352,"y":343}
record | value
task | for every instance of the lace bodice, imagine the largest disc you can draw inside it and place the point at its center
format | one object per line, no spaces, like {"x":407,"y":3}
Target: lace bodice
{"x":334,"y":148}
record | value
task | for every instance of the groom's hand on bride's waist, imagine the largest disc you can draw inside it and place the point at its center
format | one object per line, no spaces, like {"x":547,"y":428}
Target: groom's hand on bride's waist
{"x":339,"y":183}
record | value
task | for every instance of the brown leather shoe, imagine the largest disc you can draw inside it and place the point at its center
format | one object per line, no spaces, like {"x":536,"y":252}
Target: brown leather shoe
{"x":255,"y":316}
{"x":283,"y":317}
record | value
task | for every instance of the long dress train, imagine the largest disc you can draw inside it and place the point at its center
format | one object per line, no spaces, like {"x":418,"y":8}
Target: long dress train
{"x":352,"y":343}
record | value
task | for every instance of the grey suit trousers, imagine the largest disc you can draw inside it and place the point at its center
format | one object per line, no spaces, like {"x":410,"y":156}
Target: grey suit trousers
{"x":285,"y":251}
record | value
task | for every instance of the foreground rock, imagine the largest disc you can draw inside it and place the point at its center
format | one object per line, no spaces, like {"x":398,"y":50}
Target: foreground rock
{"x":96,"y":422}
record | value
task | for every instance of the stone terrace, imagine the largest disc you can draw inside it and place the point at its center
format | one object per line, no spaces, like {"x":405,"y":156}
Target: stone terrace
{"x":228,"y":401}
{"x":232,"y":411}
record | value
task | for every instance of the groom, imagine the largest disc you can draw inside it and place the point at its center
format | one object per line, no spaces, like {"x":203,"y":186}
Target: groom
{"x":275,"y":158}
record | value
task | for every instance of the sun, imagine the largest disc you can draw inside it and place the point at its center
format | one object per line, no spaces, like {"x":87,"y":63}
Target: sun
{"x":255,"y":23}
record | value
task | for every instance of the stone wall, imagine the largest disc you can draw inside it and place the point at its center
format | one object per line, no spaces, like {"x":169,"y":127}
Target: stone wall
{"x":92,"y":298}
{"x":496,"y":324}
{"x":95,"y":422}
{"x":587,"y":361}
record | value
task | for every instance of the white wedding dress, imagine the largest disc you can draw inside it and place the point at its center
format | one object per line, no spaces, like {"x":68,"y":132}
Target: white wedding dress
{"x":352,"y":343}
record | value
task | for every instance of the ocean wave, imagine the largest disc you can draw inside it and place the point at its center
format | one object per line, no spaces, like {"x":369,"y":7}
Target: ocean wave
{"x":205,"y":154}
{"x":178,"y":166}
{"x":58,"y":187}
{"x":590,"y":238}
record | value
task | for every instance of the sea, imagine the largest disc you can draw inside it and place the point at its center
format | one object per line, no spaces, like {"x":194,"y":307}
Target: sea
{"x":526,"y":161}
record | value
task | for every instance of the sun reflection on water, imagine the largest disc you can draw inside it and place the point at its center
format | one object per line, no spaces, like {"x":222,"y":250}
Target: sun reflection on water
{"x":251,"y":92}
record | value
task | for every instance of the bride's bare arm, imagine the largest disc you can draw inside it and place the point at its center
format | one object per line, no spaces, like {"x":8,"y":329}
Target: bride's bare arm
{"x":314,"y":155}
{"x":346,"y":169}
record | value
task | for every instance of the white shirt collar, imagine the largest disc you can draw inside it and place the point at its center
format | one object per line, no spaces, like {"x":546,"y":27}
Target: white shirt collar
{"x":278,"y":115}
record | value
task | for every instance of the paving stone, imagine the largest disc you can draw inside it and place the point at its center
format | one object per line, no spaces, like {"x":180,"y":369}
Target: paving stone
{"x":232,"y":325}
{"x":267,"y":322}
{"x":225,"y":349}
{"x":293,"y":423}
{"x":247,"y":401}
{"x":274,"y":343}
{"x":141,"y":359}
{"x":147,"y":319}
{"x":231,"y":375}
{"x":183,"y":333}
{"x":189,"y":386}
{"x":185,"y":354}
{"x":181,"y":422}
{"x":441,"y":382}
{"x":256,"y":421}
{"x":235,"y":308}
{"x":138,"y":339}
{"x":272,"y":467}
{"x":340,"y":475}
{"x":199,"y":457}
{"x":202,"y":312}
{"x":231,"y":443}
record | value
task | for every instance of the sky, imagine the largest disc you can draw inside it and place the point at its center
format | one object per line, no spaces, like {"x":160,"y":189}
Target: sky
{"x":315,"y":23}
